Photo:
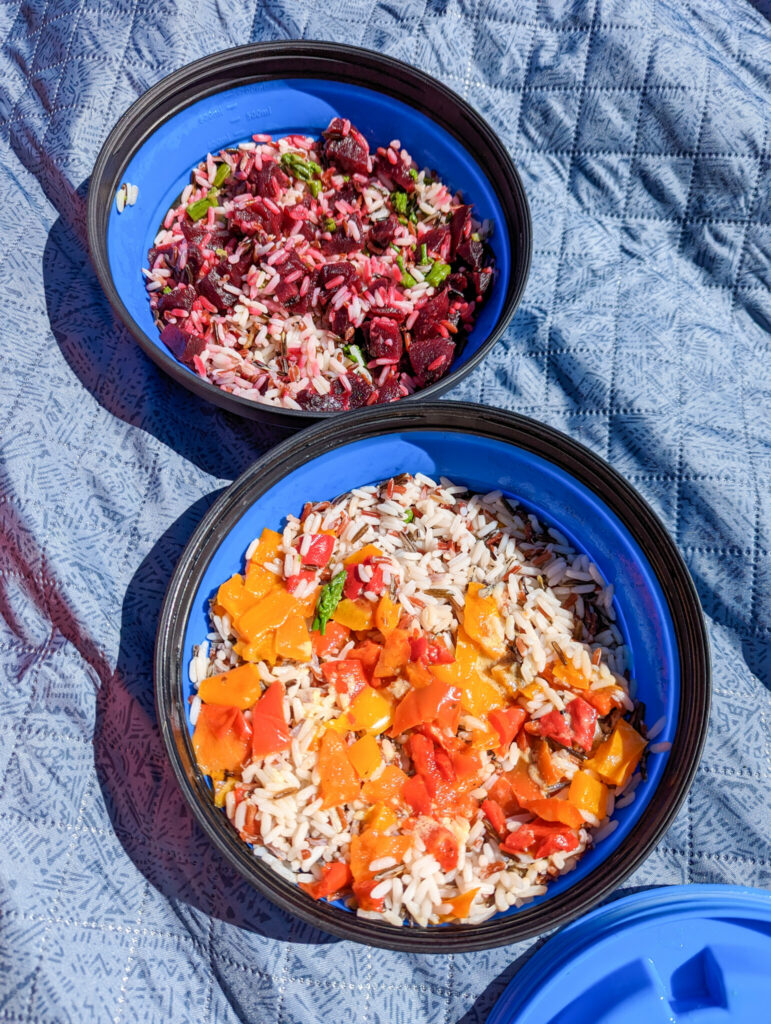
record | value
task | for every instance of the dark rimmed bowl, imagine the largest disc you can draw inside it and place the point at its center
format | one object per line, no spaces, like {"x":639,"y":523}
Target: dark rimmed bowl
{"x":572,"y":489}
{"x":285,"y":87}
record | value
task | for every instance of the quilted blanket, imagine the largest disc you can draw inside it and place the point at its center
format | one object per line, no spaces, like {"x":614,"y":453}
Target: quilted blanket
{"x":641,"y":129}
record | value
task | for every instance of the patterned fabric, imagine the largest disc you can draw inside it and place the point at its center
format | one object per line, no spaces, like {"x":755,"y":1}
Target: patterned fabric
{"x":642,"y":133}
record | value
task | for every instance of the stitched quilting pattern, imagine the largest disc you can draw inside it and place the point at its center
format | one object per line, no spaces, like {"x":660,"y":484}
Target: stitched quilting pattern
{"x":641,"y":130}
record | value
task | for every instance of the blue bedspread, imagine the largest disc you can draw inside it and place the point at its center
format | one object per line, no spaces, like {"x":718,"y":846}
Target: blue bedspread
{"x":641,"y":129}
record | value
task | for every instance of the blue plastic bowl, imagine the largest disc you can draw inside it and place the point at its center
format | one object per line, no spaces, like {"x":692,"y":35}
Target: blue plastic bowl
{"x":566,"y":485}
{"x":295,"y":87}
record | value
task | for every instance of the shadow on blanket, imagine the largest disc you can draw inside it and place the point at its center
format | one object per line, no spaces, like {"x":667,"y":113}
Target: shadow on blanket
{"x":145,"y":805}
{"x":108,"y":362}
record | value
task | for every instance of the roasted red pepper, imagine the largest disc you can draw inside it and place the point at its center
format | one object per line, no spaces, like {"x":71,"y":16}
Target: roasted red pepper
{"x":270,"y":733}
{"x":553,"y":726}
{"x":294,"y":581}
{"x":582,"y":720}
{"x":319,"y":551}
{"x":507,"y":722}
{"x":346,"y":676}
{"x":416,"y":795}
{"x":335,"y":877}
{"x":430,"y":652}
{"x":494,"y":814}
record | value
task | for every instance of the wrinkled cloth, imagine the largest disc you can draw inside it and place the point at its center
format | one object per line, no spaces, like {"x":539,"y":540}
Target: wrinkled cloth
{"x":641,"y":131}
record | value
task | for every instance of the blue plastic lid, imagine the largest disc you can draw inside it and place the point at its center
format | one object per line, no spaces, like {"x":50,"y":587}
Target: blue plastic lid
{"x":692,"y":954}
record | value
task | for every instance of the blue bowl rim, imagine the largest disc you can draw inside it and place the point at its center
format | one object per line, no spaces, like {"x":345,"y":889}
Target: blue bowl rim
{"x":646,"y":529}
{"x":240,"y":65}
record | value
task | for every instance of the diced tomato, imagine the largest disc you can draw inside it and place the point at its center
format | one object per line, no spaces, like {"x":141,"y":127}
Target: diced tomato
{"x":221,"y":720}
{"x":330,"y":642}
{"x":542,"y":837}
{"x":444,"y":764}
{"x":563,"y":842}
{"x":368,"y":654}
{"x":423,"y":754}
{"x":465,"y":763}
{"x":552,"y":725}
{"x":582,"y":719}
{"x":293,"y":582}
{"x":346,"y":676}
{"x":363,"y":893}
{"x":416,"y":795}
{"x":334,"y":878}
{"x":355,"y":585}
{"x":430,"y":652}
{"x":320,"y":550}
{"x":507,"y":722}
{"x":442,"y":845}
{"x":503,"y":795}
{"x":270,"y":733}
{"x":494,"y":814}
{"x":437,"y":703}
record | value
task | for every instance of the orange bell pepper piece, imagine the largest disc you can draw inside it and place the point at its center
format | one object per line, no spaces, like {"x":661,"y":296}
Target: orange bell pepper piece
{"x":263,"y":649}
{"x":387,"y":615}
{"x":386,"y":788}
{"x":368,"y":551}
{"x":332,"y":641}
{"x":368,"y":654}
{"x":588,"y":794}
{"x":339,"y":782}
{"x":552,"y":809}
{"x":293,"y":640}
{"x":335,"y":877}
{"x":268,"y":548}
{"x":239,"y":688}
{"x":549,"y":771}
{"x":461,"y":905}
{"x":482,"y":621}
{"x":418,"y":675}
{"x":221,"y":739}
{"x":617,"y":757}
{"x":395,"y":654}
{"x":266,"y":615}
{"x":434,"y":703}
{"x":365,"y":756}
{"x":569,"y":675}
{"x":370,"y":845}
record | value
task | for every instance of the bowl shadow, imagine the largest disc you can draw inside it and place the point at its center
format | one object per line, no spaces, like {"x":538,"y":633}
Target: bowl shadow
{"x":109,"y":363}
{"x":145,"y":805}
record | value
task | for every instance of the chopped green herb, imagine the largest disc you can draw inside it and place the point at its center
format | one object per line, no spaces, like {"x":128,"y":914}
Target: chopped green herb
{"x":329,"y":224}
{"x":329,"y":598}
{"x":298,"y":167}
{"x":346,"y":177}
{"x":167,"y":290}
{"x":437,"y":274}
{"x":413,"y":174}
{"x":399,"y":202}
{"x":409,"y":515}
{"x":221,"y":175}
{"x":423,"y":254}
{"x":354,"y":352}
{"x":402,"y":219}
{"x":315,"y":188}
{"x":408,"y":281}
{"x":199,"y":208}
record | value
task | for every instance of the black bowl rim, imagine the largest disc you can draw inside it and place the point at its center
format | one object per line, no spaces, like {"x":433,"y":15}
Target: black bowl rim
{"x":357,"y":66}
{"x":639,"y":519}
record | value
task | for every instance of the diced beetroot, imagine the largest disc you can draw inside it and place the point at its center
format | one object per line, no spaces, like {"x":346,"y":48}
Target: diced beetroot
{"x":431,"y":358}
{"x":460,"y":227}
{"x":340,"y":324}
{"x":481,"y":282}
{"x":211,"y":287}
{"x":361,"y":390}
{"x":396,"y":175}
{"x":389,"y":391}
{"x":385,"y":339}
{"x":457,"y":284}
{"x":346,"y":194}
{"x":430,"y":316}
{"x":256,"y":217}
{"x":239,"y":270}
{"x":341,"y":241}
{"x":472,"y":253}
{"x":270,"y":180}
{"x":350,"y":152}
{"x":329,"y":272}
{"x":437,"y":241}
{"x":313,"y":402}
{"x":291,"y":215}
{"x":181,"y":345}
{"x":180,"y":298}
{"x":381,"y":234}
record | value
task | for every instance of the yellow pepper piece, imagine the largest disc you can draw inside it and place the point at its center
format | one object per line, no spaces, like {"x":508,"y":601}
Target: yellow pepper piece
{"x":569,"y":675}
{"x":380,"y":818}
{"x":268,"y":548}
{"x":238,"y":688}
{"x":267,"y":614}
{"x":263,"y":649}
{"x":293,"y":641}
{"x":222,"y":791}
{"x":370,"y":712}
{"x":461,"y":905}
{"x":233,"y":597}
{"x":368,"y":551}
{"x":531,"y":691}
{"x":588,"y":794}
{"x":259,"y":581}
{"x":482,"y":621}
{"x":616,"y":759}
{"x":485,"y":739}
{"x":356,"y":614}
{"x":365,"y":756}
{"x":478,"y":692}
{"x":387,"y":615}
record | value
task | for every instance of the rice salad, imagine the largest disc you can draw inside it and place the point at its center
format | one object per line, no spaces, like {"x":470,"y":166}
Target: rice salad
{"x":313,"y":274}
{"x":415,"y":699}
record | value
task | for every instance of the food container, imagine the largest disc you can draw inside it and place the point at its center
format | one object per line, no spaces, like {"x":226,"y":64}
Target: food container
{"x":279,"y":88}
{"x":570,"y":488}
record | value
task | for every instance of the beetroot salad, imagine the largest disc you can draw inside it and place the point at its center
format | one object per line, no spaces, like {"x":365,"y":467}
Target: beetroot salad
{"x":313,"y":274}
